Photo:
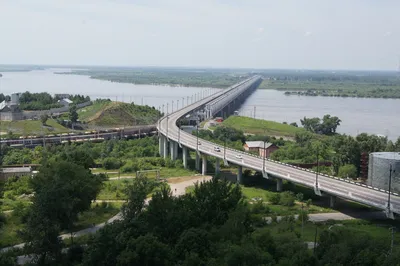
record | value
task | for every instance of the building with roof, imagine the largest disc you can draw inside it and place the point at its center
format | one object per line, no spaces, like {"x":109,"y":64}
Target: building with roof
{"x":65,"y":102}
{"x":9,"y":110}
{"x":258,"y":147}
{"x":6,"y":173}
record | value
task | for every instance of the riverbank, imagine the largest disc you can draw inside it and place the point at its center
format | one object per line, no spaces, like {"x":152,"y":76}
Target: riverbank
{"x":389,"y":90}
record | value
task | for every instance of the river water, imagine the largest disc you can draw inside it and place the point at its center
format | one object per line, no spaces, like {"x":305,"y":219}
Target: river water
{"x":377,"y":116}
{"x":358,"y":115}
{"x":47,"y":81}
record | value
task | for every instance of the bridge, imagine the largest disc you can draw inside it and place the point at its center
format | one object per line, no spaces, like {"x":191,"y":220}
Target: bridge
{"x":94,"y":136}
{"x":172,"y":139}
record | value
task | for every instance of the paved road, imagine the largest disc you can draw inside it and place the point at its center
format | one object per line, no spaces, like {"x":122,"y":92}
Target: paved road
{"x":331,"y":185}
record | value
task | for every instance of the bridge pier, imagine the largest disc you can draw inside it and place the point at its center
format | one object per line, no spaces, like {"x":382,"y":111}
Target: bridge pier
{"x":204,"y":164}
{"x":239,"y":178}
{"x":197,"y":162}
{"x":279,"y":184}
{"x":332,"y":201}
{"x":173,"y":146}
{"x":165,"y":149}
{"x":184,"y":156}
{"x":161,"y":140}
{"x":216,"y":166}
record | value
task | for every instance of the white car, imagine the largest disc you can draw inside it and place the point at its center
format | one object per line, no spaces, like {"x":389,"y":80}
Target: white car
{"x":199,"y":143}
{"x":217,"y":149}
{"x":239,"y":156}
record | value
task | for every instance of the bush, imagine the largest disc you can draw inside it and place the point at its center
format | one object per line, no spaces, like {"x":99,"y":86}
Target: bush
{"x":260,"y":208}
{"x":112,"y":163}
{"x":299,"y":196}
{"x":2,"y":219}
{"x":287,"y":199}
{"x":130,"y":167}
{"x":348,"y":170}
{"x":274,"y":198}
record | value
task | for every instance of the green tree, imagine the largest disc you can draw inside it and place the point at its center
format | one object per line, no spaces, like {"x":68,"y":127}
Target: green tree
{"x":62,"y":191}
{"x":348,"y":170}
{"x":73,"y":115}
{"x":44,"y":118}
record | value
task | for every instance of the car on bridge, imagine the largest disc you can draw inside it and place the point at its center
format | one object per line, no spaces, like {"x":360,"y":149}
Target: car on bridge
{"x":239,"y":156}
{"x":199,"y":143}
{"x":217,"y":149}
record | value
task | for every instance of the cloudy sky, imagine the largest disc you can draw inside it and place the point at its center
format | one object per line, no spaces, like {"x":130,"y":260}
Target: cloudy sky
{"x":306,"y":34}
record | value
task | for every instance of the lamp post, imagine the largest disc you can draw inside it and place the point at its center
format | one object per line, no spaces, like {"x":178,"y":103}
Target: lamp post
{"x":179,"y":133}
{"x":167,"y":126}
{"x":316,"y":176}
{"x":197,"y":137}
{"x":177,"y":105}
{"x":172,"y":106}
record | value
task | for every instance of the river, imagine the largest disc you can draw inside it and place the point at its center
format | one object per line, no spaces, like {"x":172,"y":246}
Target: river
{"x":377,"y":116}
{"x":48,"y":81}
{"x":374,"y":116}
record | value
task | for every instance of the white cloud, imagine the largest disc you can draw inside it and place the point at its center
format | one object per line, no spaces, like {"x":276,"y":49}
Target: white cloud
{"x":260,"y":30}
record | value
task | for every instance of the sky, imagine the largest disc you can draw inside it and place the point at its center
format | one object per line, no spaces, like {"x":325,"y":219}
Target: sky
{"x":279,"y":34}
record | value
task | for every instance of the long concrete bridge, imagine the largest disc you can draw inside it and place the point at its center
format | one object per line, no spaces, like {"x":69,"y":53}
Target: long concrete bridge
{"x":172,"y":139}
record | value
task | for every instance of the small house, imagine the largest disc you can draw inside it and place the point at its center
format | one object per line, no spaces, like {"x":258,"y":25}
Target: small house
{"x":65,"y":102}
{"x":258,"y":147}
{"x":6,"y":173}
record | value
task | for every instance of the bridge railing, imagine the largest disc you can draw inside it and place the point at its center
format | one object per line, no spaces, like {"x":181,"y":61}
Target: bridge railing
{"x":296,"y":167}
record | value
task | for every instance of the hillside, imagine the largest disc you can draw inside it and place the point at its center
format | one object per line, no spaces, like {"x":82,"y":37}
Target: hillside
{"x":31,"y":127}
{"x":108,"y":113}
{"x":259,"y":126}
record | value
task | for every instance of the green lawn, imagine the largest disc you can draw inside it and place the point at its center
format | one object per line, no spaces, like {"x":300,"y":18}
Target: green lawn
{"x":164,"y":173}
{"x":89,"y":112}
{"x":259,"y":126}
{"x":251,"y":193}
{"x":32,"y":127}
{"x":9,"y":232}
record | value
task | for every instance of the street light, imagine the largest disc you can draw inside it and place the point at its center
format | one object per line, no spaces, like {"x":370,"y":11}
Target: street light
{"x":172,"y":106}
{"x":167,"y":126}
{"x":197,"y":137}
{"x":177,"y":105}
{"x":179,"y":132}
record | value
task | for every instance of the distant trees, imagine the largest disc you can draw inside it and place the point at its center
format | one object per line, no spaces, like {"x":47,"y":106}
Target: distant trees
{"x":327,"y":126}
{"x":348,"y":170}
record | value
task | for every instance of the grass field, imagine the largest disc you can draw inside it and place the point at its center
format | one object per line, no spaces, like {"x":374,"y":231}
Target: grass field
{"x":259,"y":126}
{"x":32,"y":127}
{"x":93,"y":111}
{"x":164,"y":173}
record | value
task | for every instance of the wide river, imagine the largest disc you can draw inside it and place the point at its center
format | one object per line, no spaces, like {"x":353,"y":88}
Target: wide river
{"x":377,"y":116}
{"x":374,"y":116}
{"x":47,"y":81}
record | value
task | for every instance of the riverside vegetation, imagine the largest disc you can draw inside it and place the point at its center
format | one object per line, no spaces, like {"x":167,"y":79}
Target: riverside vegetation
{"x":362,"y":84}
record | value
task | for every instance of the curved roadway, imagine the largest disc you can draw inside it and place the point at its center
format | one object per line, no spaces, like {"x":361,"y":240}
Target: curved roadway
{"x":333,"y":186}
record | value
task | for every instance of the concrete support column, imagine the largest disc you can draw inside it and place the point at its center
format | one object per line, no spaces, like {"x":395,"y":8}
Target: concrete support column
{"x":184,"y":156}
{"x":239,"y":178}
{"x":197,"y":161}
{"x":217,"y":166}
{"x":161,"y":145}
{"x":332,"y":201}
{"x":204,"y":164}
{"x":279,"y":184}
{"x":176,"y":149}
{"x":165,"y":147}
{"x":173,"y":150}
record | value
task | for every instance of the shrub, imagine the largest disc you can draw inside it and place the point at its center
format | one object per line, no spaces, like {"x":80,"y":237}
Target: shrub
{"x":287,"y":199}
{"x":274,"y":198}
{"x":111,"y":163}
{"x":299,"y":196}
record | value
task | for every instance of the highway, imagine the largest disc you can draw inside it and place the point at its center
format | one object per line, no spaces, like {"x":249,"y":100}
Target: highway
{"x":327,"y":184}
